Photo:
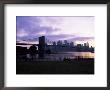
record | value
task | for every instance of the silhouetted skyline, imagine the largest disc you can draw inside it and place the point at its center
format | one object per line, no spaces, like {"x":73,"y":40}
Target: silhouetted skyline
{"x":44,"y":48}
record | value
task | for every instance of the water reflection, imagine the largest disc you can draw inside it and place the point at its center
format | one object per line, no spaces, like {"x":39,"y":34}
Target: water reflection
{"x":60,"y":56}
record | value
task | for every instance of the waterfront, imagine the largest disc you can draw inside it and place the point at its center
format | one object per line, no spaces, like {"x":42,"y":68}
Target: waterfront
{"x":60,"y":56}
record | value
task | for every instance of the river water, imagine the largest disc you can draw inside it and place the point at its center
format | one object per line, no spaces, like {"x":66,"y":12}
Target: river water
{"x":61,"y":55}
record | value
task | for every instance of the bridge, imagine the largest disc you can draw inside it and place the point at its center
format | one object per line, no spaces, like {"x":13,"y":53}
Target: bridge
{"x":41,"y":45}
{"x":41,"y":40}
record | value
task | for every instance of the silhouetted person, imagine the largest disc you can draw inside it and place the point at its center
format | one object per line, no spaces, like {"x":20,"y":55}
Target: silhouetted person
{"x":32,"y":51}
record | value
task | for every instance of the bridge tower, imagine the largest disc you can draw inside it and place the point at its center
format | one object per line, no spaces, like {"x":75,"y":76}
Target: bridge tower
{"x":41,"y":46}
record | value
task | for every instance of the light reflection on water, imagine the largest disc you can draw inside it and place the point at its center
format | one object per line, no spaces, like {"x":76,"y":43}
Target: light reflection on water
{"x":61,"y":56}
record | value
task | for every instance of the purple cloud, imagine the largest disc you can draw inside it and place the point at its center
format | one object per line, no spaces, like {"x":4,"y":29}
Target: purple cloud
{"x":81,"y":38}
{"x":29,"y":28}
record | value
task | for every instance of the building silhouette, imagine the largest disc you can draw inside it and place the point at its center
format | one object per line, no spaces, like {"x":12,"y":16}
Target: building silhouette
{"x":59,"y":42}
{"x":58,"y":46}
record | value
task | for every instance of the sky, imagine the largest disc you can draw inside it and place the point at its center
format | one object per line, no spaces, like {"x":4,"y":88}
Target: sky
{"x":72,"y":28}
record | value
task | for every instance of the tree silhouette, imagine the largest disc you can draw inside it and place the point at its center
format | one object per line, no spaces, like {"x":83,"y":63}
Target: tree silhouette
{"x":32,"y":50}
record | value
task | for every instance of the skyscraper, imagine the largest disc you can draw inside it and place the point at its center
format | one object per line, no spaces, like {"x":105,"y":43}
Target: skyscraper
{"x":71,"y":44}
{"x":59,"y":42}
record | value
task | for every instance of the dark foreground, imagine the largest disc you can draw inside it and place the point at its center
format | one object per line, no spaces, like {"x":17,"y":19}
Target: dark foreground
{"x":55,"y":67}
